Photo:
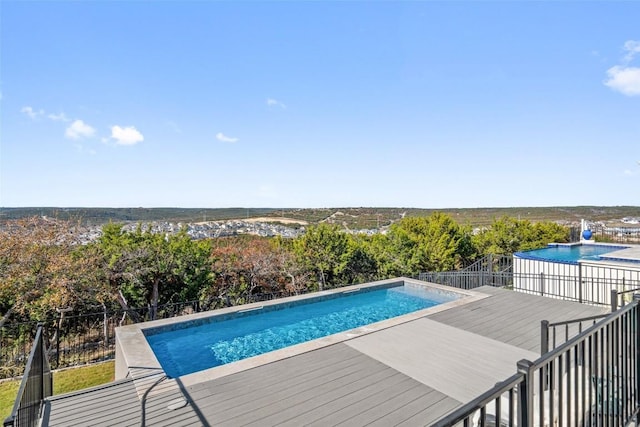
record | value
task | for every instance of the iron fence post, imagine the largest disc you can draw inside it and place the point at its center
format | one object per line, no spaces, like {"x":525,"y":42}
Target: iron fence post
{"x":43,"y":355}
{"x":525,"y":394}
{"x":542,"y":284}
{"x":614,"y":300}
{"x":490,"y":269}
{"x":57,"y":344}
{"x":580,"y":282}
{"x":105,"y":327}
{"x":636,"y":310}
{"x":544,"y":337}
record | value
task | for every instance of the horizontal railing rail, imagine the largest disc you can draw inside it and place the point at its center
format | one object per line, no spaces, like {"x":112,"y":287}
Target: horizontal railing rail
{"x":549,"y":334}
{"x":621,"y":295}
{"x":553,"y":334}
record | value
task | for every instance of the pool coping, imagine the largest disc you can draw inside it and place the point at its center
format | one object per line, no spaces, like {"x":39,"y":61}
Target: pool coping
{"x":135,"y":358}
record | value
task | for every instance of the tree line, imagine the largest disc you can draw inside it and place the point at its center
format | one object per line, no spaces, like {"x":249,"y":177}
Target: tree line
{"x":44,"y":271}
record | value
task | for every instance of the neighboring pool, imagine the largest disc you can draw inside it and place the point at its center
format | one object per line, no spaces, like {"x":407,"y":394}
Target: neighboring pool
{"x":569,"y":253}
{"x":188,"y":347}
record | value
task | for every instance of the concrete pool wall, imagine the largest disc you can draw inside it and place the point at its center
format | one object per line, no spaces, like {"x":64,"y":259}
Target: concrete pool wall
{"x":134,"y":356}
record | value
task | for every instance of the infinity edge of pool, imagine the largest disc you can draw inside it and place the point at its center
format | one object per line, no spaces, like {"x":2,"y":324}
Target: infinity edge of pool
{"x":134,"y":356}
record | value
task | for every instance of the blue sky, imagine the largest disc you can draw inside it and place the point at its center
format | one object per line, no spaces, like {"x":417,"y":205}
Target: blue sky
{"x":319,"y":104}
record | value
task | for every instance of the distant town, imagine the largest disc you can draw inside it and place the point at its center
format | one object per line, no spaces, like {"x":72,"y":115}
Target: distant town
{"x":213,"y":229}
{"x":291,"y":223}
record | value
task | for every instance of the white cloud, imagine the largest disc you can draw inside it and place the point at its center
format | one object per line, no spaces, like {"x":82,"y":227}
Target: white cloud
{"x":33,"y":114}
{"x":222,"y":137}
{"x":79,"y":129}
{"x":625,"y":80}
{"x":128,"y":135}
{"x":632,"y":47}
{"x":58,"y":117}
{"x":275,"y":103}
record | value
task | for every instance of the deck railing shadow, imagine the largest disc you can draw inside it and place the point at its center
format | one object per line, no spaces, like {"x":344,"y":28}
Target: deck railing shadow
{"x":592,"y":379}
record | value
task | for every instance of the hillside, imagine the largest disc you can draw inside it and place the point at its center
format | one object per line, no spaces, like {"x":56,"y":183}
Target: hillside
{"x":352,"y":218}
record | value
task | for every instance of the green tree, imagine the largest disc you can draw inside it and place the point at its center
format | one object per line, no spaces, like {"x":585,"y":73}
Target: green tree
{"x":359,"y":264}
{"x":507,"y":235}
{"x":433,"y":243}
{"x":322,"y":249}
{"x":150,"y":268}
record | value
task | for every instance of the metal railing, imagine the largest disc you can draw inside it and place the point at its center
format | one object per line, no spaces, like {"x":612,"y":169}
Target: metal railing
{"x":490,"y":270}
{"x":585,"y":289}
{"x":498,"y":263}
{"x":36,"y":385}
{"x":554,"y":334}
{"x":77,"y":339}
{"x":482,"y":411}
{"x":468,"y":279}
{"x":604,"y":234}
{"x":80,"y":339}
{"x":592,"y":379}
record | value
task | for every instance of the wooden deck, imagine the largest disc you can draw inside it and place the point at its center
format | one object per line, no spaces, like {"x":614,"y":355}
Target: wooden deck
{"x":331,"y":386}
{"x":513,"y":317}
{"x":408,"y":375}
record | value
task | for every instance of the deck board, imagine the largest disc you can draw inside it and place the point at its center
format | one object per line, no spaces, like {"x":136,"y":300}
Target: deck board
{"x":318,"y":396}
{"x":513,"y":317}
{"x":409,"y":375}
{"x":443,"y":357}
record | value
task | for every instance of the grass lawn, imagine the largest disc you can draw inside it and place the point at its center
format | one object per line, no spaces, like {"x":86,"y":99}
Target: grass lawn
{"x":63,"y":382}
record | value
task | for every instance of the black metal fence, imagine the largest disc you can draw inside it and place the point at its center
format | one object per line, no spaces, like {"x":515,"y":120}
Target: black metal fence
{"x":605,"y":234}
{"x":468,"y":279}
{"x":76,"y":339}
{"x":602,"y":233}
{"x":554,"y":334}
{"x":590,"y":285}
{"x":36,"y":385}
{"x":591,"y":380}
{"x":495,"y":263}
{"x":80,"y":339}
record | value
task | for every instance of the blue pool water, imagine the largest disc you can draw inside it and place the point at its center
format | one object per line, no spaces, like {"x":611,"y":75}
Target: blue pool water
{"x":195,"y":348}
{"x":570,"y":254}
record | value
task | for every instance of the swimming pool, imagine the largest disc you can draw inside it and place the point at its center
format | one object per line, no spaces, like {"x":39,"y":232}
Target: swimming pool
{"x":569,"y":253}
{"x":135,"y":357}
{"x":226,"y":339}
